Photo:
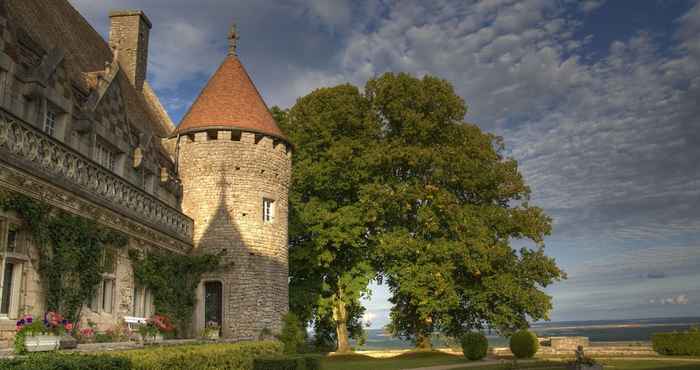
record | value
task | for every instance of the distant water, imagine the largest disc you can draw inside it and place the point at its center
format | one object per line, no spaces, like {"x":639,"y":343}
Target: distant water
{"x":596,"y":331}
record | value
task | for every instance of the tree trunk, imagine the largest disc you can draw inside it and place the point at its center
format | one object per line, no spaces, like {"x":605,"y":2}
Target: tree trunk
{"x":340,"y":316}
{"x":423,"y":342}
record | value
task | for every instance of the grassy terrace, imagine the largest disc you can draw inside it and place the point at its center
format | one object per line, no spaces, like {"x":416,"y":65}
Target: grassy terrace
{"x":424,"y":359}
{"x":403,"y":361}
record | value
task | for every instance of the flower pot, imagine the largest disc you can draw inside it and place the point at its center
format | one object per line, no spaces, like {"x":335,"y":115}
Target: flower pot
{"x":68,"y":342}
{"x":213,"y":335}
{"x":40,"y":343}
{"x":585,"y":367}
{"x":150,"y":339}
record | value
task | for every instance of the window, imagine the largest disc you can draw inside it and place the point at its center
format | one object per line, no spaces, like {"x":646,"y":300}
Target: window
{"x":268,"y":210}
{"x":103,"y":300}
{"x":104,"y":156}
{"x":50,"y":120}
{"x":3,"y":86}
{"x":10,"y":269}
{"x":11,"y":238}
{"x":143,"y":302}
{"x":107,"y":294}
{"x":6,"y":288}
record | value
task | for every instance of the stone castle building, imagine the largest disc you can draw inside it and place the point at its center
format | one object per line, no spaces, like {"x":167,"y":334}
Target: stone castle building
{"x":82,"y":130}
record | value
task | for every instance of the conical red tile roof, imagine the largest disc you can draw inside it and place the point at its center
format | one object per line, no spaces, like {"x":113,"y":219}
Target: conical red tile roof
{"x":230,"y":100}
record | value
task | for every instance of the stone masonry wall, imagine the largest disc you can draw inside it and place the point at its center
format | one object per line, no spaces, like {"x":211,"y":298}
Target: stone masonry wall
{"x":225,"y":176}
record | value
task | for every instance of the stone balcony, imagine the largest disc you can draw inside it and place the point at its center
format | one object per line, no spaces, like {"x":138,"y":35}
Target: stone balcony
{"x":29,"y":149}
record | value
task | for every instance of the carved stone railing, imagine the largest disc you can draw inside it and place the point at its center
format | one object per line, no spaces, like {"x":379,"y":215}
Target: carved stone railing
{"x":61,"y":162}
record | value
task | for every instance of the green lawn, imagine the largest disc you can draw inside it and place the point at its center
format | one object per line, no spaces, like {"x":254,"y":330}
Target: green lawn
{"x":404,"y":361}
{"x":407,"y":360}
{"x":650,"y":364}
{"x":630,"y":364}
{"x":421,"y":359}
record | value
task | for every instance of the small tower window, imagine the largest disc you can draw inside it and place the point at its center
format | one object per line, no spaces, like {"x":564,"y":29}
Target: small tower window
{"x":268,"y":210}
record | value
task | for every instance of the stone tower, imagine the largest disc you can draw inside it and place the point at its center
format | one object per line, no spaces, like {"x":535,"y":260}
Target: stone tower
{"x":235,"y":167}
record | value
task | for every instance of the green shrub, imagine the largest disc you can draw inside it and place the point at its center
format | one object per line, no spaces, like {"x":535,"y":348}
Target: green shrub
{"x":53,"y":361}
{"x":313,"y":362}
{"x":103,"y":338}
{"x":280,"y":363}
{"x":677,"y":343}
{"x":237,"y":356}
{"x":524,"y":344}
{"x":294,"y":362}
{"x":474,"y":345}
{"x":292,"y":335}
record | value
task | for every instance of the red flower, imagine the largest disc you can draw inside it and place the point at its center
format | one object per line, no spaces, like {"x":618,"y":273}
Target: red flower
{"x":68,"y":326}
{"x":162,"y":322}
{"x":87,"y":332}
{"x":53,"y":318}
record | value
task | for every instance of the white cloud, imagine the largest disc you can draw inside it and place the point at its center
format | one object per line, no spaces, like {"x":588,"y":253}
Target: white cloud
{"x":368,"y":317}
{"x":588,"y":6}
{"x":336,"y":13}
{"x":680,"y":299}
{"x":607,"y":142}
{"x":179,"y":51}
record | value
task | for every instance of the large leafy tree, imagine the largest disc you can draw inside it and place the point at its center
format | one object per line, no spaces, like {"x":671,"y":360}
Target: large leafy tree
{"x":329,"y":249}
{"x":445,"y":206}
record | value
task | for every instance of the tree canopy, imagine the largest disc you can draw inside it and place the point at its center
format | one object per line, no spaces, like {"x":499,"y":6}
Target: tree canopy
{"x":330,"y":266}
{"x":392,"y":183}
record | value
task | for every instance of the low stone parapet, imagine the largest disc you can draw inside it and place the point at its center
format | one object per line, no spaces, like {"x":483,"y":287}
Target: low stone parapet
{"x":599,"y":349}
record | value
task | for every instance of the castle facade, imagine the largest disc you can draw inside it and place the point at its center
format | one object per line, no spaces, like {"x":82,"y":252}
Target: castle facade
{"x":82,"y":130}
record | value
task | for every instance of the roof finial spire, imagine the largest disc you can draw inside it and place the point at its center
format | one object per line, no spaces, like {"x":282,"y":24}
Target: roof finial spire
{"x":232,"y":40}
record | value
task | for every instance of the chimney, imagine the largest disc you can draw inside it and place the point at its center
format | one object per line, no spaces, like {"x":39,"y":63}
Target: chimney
{"x":128,"y":33}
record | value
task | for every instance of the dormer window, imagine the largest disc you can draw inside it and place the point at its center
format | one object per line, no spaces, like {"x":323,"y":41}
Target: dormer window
{"x":50,"y":120}
{"x":268,"y":210}
{"x":104,"y":156}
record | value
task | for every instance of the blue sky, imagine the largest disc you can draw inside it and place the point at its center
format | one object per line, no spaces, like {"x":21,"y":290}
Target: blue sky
{"x":599,"y":101}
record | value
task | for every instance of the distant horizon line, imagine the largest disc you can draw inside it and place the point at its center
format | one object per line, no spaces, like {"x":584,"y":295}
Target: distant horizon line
{"x":598,"y":320}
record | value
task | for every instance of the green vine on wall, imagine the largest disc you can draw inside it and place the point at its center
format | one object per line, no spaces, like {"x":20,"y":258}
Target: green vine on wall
{"x":69,"y":248}
{"x":173,"y":280}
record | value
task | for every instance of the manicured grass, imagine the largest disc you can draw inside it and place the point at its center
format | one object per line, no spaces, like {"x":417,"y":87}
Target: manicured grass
{"x":421,"y":359}
{"x":660,"y":364}
{"x":411,"y":360}
{"x":403,"y":361}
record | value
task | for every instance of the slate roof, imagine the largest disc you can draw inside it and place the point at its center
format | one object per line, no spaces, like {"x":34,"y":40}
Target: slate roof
{"x":52,"y":23}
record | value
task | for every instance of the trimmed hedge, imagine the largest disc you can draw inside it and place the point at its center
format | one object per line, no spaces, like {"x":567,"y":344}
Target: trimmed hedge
{"x":524,"y":344}
{"x":292,"y":362}
{"x":475,"y":346}
{"x":234,"y":356}
{"x":54,"y":361}
{"x":237,"y":356}
{"x":685,"y":343}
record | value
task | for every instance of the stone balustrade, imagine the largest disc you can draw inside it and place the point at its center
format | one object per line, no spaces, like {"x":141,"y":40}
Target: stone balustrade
{"x":34,"y":148}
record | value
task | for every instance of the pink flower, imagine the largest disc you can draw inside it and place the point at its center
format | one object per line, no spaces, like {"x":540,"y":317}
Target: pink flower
{"x":53,"y":318}
{"x":68,"y":326}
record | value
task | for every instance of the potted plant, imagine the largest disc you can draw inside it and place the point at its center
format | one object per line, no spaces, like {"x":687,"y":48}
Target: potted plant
{"x":212,"y":330}
{"x":86,"y":335}
{"x":154,"y":328}
{"x":583,"y":362}
{"x":36,"y":336}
